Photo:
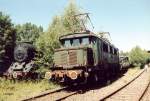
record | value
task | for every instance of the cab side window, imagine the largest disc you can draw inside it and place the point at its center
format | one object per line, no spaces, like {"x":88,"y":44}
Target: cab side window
{"x":111,"y":49}
{"x":105,"y":47}
{"x":115,"y":51}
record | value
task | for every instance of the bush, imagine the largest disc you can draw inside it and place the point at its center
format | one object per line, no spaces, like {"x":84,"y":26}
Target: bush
{"x":138,"y":57}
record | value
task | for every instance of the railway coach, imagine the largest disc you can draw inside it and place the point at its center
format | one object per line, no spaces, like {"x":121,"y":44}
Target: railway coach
{"x":84,"y":57}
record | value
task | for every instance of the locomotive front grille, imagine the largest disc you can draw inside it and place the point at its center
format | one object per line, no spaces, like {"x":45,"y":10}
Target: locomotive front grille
{"x":72,"y":58}
{"x":64,"y":60}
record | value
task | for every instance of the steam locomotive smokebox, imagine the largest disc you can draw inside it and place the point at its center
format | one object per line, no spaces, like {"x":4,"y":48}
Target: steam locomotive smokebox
{"x":24,"y":51}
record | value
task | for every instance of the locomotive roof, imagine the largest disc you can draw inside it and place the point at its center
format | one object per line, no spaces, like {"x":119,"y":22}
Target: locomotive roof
{"x":76,"y":35}
{"x":84,"y":34}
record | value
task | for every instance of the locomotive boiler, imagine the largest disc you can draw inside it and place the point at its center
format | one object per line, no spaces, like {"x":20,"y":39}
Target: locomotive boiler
{"x":23,"y":65}
{"x":84,"y":57}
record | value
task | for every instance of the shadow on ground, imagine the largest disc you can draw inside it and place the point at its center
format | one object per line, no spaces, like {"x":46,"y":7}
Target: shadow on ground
{"x":83,"y":88}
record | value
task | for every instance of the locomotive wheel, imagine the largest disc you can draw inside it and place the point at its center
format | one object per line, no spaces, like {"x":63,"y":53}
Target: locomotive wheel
{"x":93,"y":79}
{"x":107,"y":78}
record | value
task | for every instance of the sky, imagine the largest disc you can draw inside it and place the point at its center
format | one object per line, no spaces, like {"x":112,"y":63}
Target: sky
{"x":127,"y":21}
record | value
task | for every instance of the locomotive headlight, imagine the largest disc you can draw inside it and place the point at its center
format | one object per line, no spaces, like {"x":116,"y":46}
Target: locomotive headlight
{"x":73,"y":75}
{"x":48,"y":75}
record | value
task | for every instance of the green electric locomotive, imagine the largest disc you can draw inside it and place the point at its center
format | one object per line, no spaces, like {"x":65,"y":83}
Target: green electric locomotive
{"x":84,"y":56}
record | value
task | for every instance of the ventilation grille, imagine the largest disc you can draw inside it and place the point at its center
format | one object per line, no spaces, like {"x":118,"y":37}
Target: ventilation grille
{"x":72,"y":58}
{"x":66,"y":58}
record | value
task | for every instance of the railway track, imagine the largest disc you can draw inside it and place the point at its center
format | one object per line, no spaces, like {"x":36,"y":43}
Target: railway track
{"x":146,"y":95}
{"x":44,"y":94}
{"x":133,"y":90}
{"x":55,"y":95}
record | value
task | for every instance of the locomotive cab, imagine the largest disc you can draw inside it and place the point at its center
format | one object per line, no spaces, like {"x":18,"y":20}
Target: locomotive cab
{"x":79,"y":50}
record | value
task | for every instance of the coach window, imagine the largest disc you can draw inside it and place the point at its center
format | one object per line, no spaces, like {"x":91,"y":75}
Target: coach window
{"x":105,"y":47}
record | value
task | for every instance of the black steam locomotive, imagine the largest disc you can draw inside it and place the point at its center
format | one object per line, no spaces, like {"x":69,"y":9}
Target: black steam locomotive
{"x":23,"y":65}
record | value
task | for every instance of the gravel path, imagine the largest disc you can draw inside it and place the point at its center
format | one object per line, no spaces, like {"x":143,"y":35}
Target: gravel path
{"x":133,"y":91}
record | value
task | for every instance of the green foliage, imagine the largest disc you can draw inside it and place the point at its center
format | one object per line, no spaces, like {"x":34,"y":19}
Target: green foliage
{"x":28,"y":32}
{"x":48,"y":41}
{"x":7,"y":39}
{"x":70,"y":21}
{"x":60,"y":25}
{"x":138,"y":57}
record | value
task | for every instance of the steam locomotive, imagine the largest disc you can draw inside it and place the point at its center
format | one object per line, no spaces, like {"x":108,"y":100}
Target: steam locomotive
{"x":84,"y":57}
{"x":23,"y":65}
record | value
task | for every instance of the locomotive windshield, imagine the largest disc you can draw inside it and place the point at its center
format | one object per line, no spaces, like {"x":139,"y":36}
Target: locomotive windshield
{"x":76,"y":42}
{"x":67,"y":43}
{"x":83,"y":41}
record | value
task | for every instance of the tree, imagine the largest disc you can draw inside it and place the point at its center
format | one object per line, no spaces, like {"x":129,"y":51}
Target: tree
{"x":48,"y":41}
{"x":61,"y":24}
{"x":7,"y":40}
{"x":70,"y":21}
{"x":28,"y":32}
{"x":138,"y":57}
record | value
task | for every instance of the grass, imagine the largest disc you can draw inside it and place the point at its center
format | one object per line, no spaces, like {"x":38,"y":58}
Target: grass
{"x":15,"y":91}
